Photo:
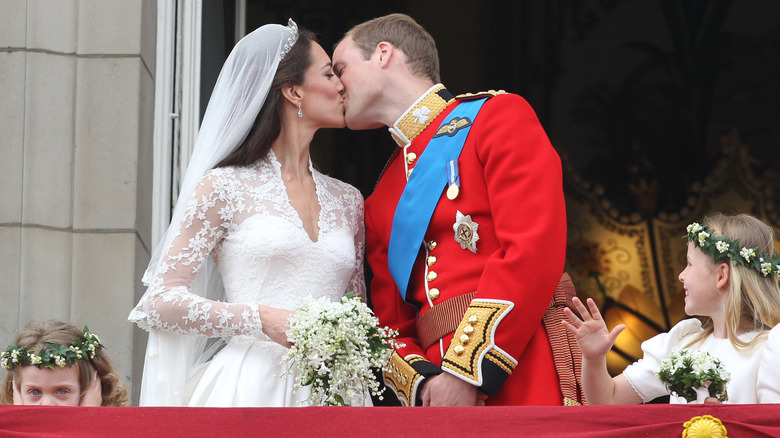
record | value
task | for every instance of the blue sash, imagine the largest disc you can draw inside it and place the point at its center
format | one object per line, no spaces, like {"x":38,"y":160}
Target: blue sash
{"x":424,"y":189}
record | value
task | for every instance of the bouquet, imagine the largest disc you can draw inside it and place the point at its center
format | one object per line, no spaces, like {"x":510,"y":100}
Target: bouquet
{"x":335,"y":345}
{"x":686,"y":370}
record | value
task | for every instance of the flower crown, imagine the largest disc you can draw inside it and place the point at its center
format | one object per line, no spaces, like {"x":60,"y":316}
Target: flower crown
{"x":720,"y":247}
{"x":291,"y":40}
{"x":86,"y":345}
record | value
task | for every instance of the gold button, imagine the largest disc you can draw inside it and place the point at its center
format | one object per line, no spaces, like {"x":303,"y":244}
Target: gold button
{"x":464,"y":339}
{"x":409,"y":173}
{"x":431,"y":260}
{"x":410,"y":157}
{"x":432,"y":245}
{"x":468,"y":330}
{"x":433,"y":293}
{"x":432,"y":275}
{"x":472,"y":319}
{"x":459,"y":349}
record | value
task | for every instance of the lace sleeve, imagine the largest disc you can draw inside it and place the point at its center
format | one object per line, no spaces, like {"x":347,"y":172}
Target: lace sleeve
{"x":171,"y":305}
{"x":358,"y":282}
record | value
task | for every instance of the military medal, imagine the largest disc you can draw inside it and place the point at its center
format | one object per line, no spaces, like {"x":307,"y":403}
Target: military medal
{"x":452,"y":192}
{"x":466,"y":232}
{"x":454,"y":180}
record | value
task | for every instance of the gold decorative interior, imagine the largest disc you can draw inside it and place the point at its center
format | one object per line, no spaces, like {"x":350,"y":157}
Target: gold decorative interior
{"x":629,"y":263}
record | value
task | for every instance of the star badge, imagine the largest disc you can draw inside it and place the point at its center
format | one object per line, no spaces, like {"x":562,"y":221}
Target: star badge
{"x":466,"y":232}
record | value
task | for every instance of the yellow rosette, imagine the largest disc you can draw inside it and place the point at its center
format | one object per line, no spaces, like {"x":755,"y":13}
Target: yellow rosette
{"x":705,"y":426}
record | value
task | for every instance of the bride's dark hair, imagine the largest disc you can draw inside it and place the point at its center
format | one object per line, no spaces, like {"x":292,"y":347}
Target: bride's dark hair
{"x":268,"y":123}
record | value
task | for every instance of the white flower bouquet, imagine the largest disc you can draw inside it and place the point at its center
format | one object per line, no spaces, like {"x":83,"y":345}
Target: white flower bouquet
{"x":335,"y":345}
{"x":686,"y":370}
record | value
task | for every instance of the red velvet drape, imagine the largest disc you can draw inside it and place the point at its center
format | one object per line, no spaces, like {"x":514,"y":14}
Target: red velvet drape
{"x":586,"y":421}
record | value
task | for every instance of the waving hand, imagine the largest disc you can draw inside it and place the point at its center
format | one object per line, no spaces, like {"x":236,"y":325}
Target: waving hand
{"x":591,"y":331}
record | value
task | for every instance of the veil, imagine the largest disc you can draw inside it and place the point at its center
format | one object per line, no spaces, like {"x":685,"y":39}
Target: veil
{"x":239,"y":93}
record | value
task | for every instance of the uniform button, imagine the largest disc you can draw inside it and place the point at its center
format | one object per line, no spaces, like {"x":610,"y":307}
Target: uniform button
{"x":433,"y":293}
{"x":431,"y":260}
{"x":459,"y":349}
{"x":432,"y":245}
{"x":409,"y":173}
{"x":468,"y":330}
{"x":464,"y":339}
{"x":432,"y":275}
{"x":472,"y":319}
{"x":410,"y":157}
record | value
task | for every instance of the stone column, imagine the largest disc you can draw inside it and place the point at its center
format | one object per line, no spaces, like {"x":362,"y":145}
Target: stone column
{"x":76,"y":123}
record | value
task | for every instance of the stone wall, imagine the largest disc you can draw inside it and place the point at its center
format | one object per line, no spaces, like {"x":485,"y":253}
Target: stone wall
{"x":76,"y":124}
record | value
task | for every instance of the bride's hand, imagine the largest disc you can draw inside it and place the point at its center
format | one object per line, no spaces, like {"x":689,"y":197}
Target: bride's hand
{"x":275,"y":324}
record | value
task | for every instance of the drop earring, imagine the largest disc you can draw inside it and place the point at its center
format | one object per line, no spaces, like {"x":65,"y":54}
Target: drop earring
{"x":300,"y":113}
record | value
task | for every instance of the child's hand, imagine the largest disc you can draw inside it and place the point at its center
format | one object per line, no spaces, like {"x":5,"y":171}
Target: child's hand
{"x":591,"y":332}
{"x":17,"y":395}
{"x":94,"y":395}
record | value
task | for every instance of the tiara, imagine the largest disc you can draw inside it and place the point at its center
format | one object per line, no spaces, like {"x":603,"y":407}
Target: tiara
{"x":86,"y":346}
{"x":292,"y":39}
{"x":720,"y":247}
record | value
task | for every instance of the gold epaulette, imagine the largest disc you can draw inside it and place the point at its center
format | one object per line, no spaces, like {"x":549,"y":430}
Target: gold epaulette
{"x":481,"y":94}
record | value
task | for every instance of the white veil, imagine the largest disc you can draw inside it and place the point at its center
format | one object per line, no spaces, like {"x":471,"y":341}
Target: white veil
{"x":239,"y":93}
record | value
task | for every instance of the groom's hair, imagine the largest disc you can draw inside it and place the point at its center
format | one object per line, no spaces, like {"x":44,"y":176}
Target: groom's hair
{"x":405,"y":34}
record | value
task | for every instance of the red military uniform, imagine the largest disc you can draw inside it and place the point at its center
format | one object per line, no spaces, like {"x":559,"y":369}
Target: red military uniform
{"x":496,"y":251}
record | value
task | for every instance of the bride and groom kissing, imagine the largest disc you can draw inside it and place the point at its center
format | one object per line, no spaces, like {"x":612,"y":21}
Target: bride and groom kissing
{"x":453,"y":232}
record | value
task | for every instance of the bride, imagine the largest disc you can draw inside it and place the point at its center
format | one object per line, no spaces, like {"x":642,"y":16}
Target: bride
{"x":255,"y":230}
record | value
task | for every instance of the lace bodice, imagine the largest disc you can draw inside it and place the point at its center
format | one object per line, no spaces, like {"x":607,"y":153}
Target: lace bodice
{"x":243,"y":219}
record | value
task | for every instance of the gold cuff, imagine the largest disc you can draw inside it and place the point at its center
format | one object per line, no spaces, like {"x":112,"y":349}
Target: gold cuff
{"x":473,"y":350}
{"x":402,"y":378}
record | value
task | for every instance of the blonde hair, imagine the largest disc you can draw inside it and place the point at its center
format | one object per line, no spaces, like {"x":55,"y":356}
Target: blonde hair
{"x":37,"y":334}
{"x":403,"y":33}
{"x":753,"y":302}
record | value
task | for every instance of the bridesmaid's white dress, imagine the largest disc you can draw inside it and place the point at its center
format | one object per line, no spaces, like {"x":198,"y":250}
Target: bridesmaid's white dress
{"x":754,"y":374}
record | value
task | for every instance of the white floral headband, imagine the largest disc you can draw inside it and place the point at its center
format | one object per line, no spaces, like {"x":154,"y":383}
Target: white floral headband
{"x":720,"y":247}
{"x":85,"y":347}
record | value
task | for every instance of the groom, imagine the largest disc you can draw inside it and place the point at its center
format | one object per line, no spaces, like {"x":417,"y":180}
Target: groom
{"x":466,"y":228}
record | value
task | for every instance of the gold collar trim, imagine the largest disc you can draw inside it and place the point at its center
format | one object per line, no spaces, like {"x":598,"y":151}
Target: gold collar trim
{"x":420,"y":114}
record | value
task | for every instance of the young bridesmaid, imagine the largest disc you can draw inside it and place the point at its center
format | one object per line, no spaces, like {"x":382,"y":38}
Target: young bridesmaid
{"x":55,"y":364}
{"x":731,"y":284}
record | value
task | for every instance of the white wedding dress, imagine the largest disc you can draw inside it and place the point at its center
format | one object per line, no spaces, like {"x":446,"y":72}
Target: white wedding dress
{"x":243,"y":219}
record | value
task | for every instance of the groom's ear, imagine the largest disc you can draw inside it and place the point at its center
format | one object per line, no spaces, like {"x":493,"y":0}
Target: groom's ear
{"x":384,"y":52}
